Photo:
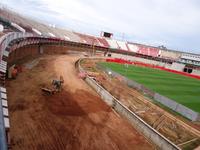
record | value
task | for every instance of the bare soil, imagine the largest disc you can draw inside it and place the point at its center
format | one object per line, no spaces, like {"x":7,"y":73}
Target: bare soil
{"x":158,"y":118}
{"x":75,"y":118}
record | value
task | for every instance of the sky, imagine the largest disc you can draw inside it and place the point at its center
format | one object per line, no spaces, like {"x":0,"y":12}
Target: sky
{"x":172,"y":23}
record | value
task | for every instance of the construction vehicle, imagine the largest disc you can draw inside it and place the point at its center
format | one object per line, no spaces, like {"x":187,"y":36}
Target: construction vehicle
{"x":57,"y":86}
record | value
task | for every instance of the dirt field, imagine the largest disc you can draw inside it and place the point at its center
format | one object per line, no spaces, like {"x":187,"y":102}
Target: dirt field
{"x":74,"y":119}
{"x":156,"y":117}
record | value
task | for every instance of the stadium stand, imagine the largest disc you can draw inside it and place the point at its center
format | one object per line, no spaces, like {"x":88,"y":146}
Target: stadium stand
{"x":133,"y":48}
{"x":33,"y":32}
{"x":112,"y":44}
{"x":92,"y":40}
{"x":51,"y":34}
{"x":170,"y":54}
{"x":149,"y":51}
{"x":122,"y":45}
{"x":86,"y":39}
{"x":103,"y":42}
{"x":36,"y":31}
{"x":190,"y":59}
{"x":26,"y":28}
{"x":66,"y":33}
{"x":19,"y":28}
{"x":67,"y":38}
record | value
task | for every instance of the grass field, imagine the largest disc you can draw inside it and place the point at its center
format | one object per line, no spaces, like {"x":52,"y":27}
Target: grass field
{"x":184,"y":90}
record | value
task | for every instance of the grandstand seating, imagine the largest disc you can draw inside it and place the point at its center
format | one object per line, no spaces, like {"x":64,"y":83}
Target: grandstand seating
{"x":112,"y":43}
{"x":133,"y":48}
{"x":27,"y":28}
{"x":154,"y":52}
{"x":144,"y":50}
{"x":41,"y":29}
{"x":73,"y":37}
{"x":19,"y":28}
{"x":149,"y":51}
{"x":90,"y":40}
{"x":36,"y":31}
{"x":66,"y":37}
{"x":122,"y":45}
{"x":190,"y":59}
{"x":51,"y":34}
{"x":103,"y":42}
{"x":170,"y":54}
{"x":44,"y":34}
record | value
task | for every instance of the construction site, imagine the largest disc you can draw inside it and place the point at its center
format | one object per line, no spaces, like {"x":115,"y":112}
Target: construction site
{"x":72,"y":118}
{"x":56,"y":95}
{"x":177,"y":129}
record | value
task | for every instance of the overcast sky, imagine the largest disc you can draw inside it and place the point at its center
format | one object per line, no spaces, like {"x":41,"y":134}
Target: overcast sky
{"x":173,"y":23}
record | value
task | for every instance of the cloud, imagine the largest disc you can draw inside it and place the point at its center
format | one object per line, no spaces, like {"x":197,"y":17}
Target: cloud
{"x":169,"y":22}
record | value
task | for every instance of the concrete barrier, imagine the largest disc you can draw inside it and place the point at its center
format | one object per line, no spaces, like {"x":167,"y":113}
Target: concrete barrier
{"x":179,"y":108}
{"x":150,"y":133}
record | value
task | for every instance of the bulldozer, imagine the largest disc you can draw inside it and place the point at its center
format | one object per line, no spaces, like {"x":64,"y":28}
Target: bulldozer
{"x":56,"y":86}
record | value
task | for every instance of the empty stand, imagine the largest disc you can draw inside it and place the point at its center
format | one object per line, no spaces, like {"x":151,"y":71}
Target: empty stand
{"x":112,"y":43}
{"x":133,"y":48}
{"x":149,"y":51}
{"x":103,"y":42}
{"x":122,"y":45}
{"x":86,"y":39}
{"x":170,"y":54}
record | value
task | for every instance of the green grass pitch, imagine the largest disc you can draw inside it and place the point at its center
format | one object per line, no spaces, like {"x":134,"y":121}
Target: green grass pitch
{"x":182,"y":89}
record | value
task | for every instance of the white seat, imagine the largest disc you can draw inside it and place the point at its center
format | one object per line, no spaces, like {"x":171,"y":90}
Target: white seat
{"x":4,"y":103}
{"x":122,"y":45}
{"x":3,"y":95}
{"x":5,"y":53}
{"x":3,"y":67}
{"x":133,"y":48}
{"x":3,"y":62}
{"x":2,"y":70}
{"x":5,"y":112}
{"x":112,"y":43}
{"x":6,"y":123}
{"x":2,"y":89}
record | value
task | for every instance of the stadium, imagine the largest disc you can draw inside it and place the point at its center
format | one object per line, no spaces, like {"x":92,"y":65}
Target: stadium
{"x":61,"y":89}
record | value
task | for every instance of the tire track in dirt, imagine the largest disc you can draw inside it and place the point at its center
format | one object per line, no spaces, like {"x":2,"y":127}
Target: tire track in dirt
{"x":73,"y":119}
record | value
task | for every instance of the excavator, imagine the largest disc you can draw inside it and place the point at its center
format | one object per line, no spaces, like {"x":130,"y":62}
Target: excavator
{"x":56,"y":86}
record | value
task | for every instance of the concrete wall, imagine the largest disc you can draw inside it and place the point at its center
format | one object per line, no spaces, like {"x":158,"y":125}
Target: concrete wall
{"x":23,"y":52}
{"x":132,"y":58}
{"x":177,"y":66}
{"x":35,"y":50}
{"x":170,"y":54}
{"x":150,"y":133}
{"x":196,"y":72}
{"x":186,"y":112}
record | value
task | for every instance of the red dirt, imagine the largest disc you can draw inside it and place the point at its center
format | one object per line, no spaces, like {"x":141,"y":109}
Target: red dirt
{"x":75,"y":118}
